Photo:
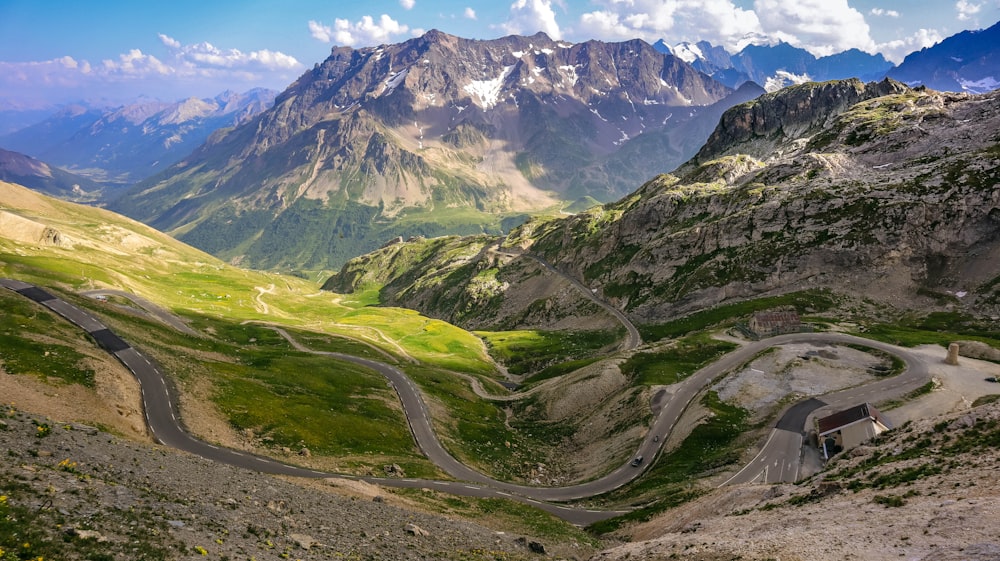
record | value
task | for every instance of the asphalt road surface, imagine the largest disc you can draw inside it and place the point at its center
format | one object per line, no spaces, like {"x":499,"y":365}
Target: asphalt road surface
{"x":780,"y":459}
{"x":777,"y":461}
{"x":163,"y":422}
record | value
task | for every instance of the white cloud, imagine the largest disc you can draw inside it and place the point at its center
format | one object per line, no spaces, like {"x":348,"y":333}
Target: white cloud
{"x":822,"y":27}
{"x":169,"y":41}
{"x":207,"y":55}
{"x":365,"y":32}
{"x":320,"y":31}
{"x":895,"y":51}
{"x":469,"y":13}
{"x":718,"y":21}
{"x":528,"y":17}
{"x":966,"y":10}
{"x":135,"y":63}
{"x":185,"y":70}
{"x":407,"y":4}
{"x":884,"y":12}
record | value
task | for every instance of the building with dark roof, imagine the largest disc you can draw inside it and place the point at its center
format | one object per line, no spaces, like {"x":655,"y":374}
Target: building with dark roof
{"x":850,"y":427}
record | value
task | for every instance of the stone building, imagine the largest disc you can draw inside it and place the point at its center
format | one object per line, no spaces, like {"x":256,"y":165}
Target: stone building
{"x":775,"y":322}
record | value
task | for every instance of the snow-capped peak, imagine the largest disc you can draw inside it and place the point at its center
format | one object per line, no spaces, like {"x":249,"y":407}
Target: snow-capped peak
{"x":687,"y":52}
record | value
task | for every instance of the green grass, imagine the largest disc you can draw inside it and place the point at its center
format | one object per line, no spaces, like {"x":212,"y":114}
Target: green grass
{"x":536,"y":352}
{"x":675,"y":363}
{"x":711,"y":446}
{"x":193,"y":284}
{"x":805,"y":302}
{"x":289,"y":398}
{"x":939,"y":328}
{"x":340,"y":344}
{"x":560,"y":369}
{"x":986,"y":399}
{"x":333,"y":407}
{"x":34,"y":342}
{"x":474,"y":431}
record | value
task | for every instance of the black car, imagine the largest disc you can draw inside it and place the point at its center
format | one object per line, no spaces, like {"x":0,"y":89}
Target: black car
{"x":637,"y":461}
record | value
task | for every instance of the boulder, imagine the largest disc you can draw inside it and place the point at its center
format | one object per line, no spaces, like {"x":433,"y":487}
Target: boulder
{"x":415,"y":530}
{"x":303,"y":540}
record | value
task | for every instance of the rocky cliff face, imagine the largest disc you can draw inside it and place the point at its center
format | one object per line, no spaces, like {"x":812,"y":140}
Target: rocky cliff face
{"x":391,"y":138}
{"x":756,"y":128}
{"x":889,"y":197}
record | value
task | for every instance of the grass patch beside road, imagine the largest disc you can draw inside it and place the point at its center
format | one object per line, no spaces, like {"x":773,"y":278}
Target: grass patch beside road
{"x":939,"y":328}
{"x":474,"y":430}
{"x":677,"y":362}
{"x":711,"y":446}
{"x":806,"y":301}
{"x":536,"y":352}
{"x":33,"y":341}
{"x":287,"y":398}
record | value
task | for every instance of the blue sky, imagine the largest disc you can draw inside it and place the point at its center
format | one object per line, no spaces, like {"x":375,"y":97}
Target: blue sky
{"x":65,"y":50}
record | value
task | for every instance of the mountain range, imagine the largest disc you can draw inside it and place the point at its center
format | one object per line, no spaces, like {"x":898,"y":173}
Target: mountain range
{"x":870,"y":207}
{"x":121,"y":145}
{"x":435,"y":135}
{"x":965,"y":62}
{"x":872,"y":188}
{"x":776,"y":66}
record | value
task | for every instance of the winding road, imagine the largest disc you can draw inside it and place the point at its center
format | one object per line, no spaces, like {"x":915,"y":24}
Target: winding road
{"x":777,"y":461}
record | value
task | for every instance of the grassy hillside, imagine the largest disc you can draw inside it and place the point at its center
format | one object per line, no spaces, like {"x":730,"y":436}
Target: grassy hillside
{"x":267,"y":394}
{"x":99,"y":249}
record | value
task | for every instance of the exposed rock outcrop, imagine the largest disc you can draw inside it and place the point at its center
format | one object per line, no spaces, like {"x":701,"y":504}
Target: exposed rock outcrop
{"x":892,"y":197}
{"x":430,"y":125}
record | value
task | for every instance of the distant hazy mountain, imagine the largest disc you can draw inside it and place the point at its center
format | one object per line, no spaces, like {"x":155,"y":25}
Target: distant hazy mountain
{"x":435,"y":135}
{"x":968,"y":61}
{"x":15,"y":116}
{"x":31,"y":173}
{"x":776,"y":66}
{"x":128,"y":143}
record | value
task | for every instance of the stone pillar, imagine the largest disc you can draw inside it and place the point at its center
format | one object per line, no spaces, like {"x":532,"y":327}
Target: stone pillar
{"x":952,"y":357}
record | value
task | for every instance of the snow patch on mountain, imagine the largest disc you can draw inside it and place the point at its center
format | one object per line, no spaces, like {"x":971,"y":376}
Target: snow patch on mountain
{"x":783,"y":78}
{"x":394,"y":80}
{"x":984,"y":85}
{"x":488,"y":91}
{"x":687,"y":52}
{"x":569,"y":73}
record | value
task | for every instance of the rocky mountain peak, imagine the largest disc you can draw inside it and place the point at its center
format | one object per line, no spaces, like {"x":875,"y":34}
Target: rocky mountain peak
{"x":439,"y":122}
{"x":755,"y":128}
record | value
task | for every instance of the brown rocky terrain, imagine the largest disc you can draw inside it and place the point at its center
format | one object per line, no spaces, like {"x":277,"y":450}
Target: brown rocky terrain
{"x":85,"y":492}
{"x":923,"y":492}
